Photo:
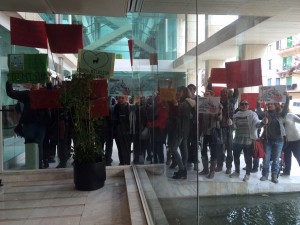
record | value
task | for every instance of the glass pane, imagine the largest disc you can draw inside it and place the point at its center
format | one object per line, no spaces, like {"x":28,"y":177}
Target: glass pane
{"x":153,"y":123}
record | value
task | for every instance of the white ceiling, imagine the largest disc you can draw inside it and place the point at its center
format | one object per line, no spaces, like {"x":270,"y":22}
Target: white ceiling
{"x":119,"y":7}
{"x":284,"y":16}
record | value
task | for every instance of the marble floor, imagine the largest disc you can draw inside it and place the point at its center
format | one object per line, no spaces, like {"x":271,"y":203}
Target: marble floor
{"x":48,"y":196}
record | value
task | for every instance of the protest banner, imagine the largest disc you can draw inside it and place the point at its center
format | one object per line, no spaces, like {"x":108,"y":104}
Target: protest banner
{"x":28,"y":68}
{"x":272,"y":94}
{"x":96,"y":63}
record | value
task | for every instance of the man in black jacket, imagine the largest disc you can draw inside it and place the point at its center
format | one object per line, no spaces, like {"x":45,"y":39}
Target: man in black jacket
{"x":34,"y":121}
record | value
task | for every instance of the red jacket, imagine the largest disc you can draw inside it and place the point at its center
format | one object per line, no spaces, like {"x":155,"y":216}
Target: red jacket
{"x":161,"y":116}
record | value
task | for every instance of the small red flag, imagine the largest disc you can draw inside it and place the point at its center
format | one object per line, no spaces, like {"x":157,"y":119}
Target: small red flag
{"x":28,"y":33}
{"x":218,"y":75}
{"x":245,"y":73}
{"x":153,"y":59}
{"x":65,"y":38}
{"x":130,"y":46}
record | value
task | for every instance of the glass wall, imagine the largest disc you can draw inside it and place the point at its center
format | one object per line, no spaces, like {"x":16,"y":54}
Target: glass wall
{"x":175,"y":159}
{"x":13,"y":145}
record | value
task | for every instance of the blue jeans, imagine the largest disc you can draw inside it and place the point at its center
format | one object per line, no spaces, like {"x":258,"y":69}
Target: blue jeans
{"x":227,"y":133}
{"x":272,"y":153}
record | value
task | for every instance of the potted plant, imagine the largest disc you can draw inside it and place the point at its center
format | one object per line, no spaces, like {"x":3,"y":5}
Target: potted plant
{"x":89,"y":167}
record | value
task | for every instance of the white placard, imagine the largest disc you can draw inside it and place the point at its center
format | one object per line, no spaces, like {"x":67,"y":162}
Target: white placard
{"x":208,"y":105}
{"x":272,"y":94}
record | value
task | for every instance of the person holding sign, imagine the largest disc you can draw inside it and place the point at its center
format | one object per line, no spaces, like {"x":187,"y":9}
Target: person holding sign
{"x":34,"y":121}
{"x":183,"y":105}
{"x":274,"y":133}
{"x":228,"y":100}
{"x":209,"y":122}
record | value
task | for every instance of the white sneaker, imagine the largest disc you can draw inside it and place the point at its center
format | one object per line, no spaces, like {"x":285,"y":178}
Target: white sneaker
{"x":246,"y":177}
{"x":234,"y":174}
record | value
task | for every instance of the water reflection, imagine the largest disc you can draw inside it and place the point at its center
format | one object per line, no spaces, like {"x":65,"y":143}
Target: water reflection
{"x":279,"y":209}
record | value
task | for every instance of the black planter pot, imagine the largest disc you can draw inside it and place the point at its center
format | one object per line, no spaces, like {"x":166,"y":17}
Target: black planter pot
{"x":89,"y":176}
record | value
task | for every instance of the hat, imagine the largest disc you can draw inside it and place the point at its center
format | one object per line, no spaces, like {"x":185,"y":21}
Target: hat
{"x":244,"y":102}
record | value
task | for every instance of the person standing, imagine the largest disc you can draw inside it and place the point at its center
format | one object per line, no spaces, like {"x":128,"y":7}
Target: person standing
{"x":141,"y":138}
{"x":228,"y":100}
{"x":34,"y":120}
{"x":274,"y":133}
{"x":158,"y":129}
{"x":184,"y":104}
{"x":122,"y":137}
{"x":208,"y":122}
{"x":292,"y":142}
{"x":192,"y":142}
{"x":245,"y":123}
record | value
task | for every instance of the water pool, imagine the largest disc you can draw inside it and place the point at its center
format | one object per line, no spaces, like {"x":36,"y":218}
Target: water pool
{"x":275,"y":209}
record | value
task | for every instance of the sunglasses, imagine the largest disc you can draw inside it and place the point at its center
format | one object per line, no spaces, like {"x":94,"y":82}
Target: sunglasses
{"x":243,"y":104}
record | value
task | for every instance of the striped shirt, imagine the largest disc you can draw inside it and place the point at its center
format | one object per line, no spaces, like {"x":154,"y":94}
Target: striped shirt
{"x":242,"y":135}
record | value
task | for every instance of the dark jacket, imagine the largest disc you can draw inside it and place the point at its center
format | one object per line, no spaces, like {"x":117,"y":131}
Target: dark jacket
{"x":228,"y":107}
{"x":274,"y":130}
{"x":29,"y":116}
{"x":183,"y":119}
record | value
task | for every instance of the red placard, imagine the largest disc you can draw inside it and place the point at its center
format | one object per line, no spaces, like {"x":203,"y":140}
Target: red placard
{"x":245,"y":73}
{"x":65,"y":38}
{"x":218,"y":75}
{"x":28,"y":33}
{"x":99,"y":108}
{"x":99,"y":88}
{"x":43,"y":99}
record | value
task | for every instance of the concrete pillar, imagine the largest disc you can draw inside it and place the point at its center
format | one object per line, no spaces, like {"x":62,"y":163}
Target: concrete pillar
{"x":31,"y":156}
{"x":191,"y":32}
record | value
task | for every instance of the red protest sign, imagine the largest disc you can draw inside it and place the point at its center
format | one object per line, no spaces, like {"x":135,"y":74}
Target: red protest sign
{"x":28,"y":33}
{"x":99,"y":88}
{"x":65,"y":38}
{"x":218,"y":75}
{"x":245,"y":73}
{"x":99,"y":108}
{"x":43,"y":99}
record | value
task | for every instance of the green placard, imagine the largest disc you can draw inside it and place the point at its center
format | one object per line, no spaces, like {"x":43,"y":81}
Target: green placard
{"x":28,"y":68}
{"x":97,"y":63}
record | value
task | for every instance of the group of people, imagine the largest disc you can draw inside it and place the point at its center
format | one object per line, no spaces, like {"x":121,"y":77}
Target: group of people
{"x":177,"y":125}
{"x":149,"y":124}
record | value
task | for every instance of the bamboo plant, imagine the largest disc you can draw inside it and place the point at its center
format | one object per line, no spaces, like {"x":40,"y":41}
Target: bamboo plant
{"x":77,"y":98}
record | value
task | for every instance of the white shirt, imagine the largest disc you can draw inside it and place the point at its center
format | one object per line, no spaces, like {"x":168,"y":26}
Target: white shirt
{"x":292,"y":133}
